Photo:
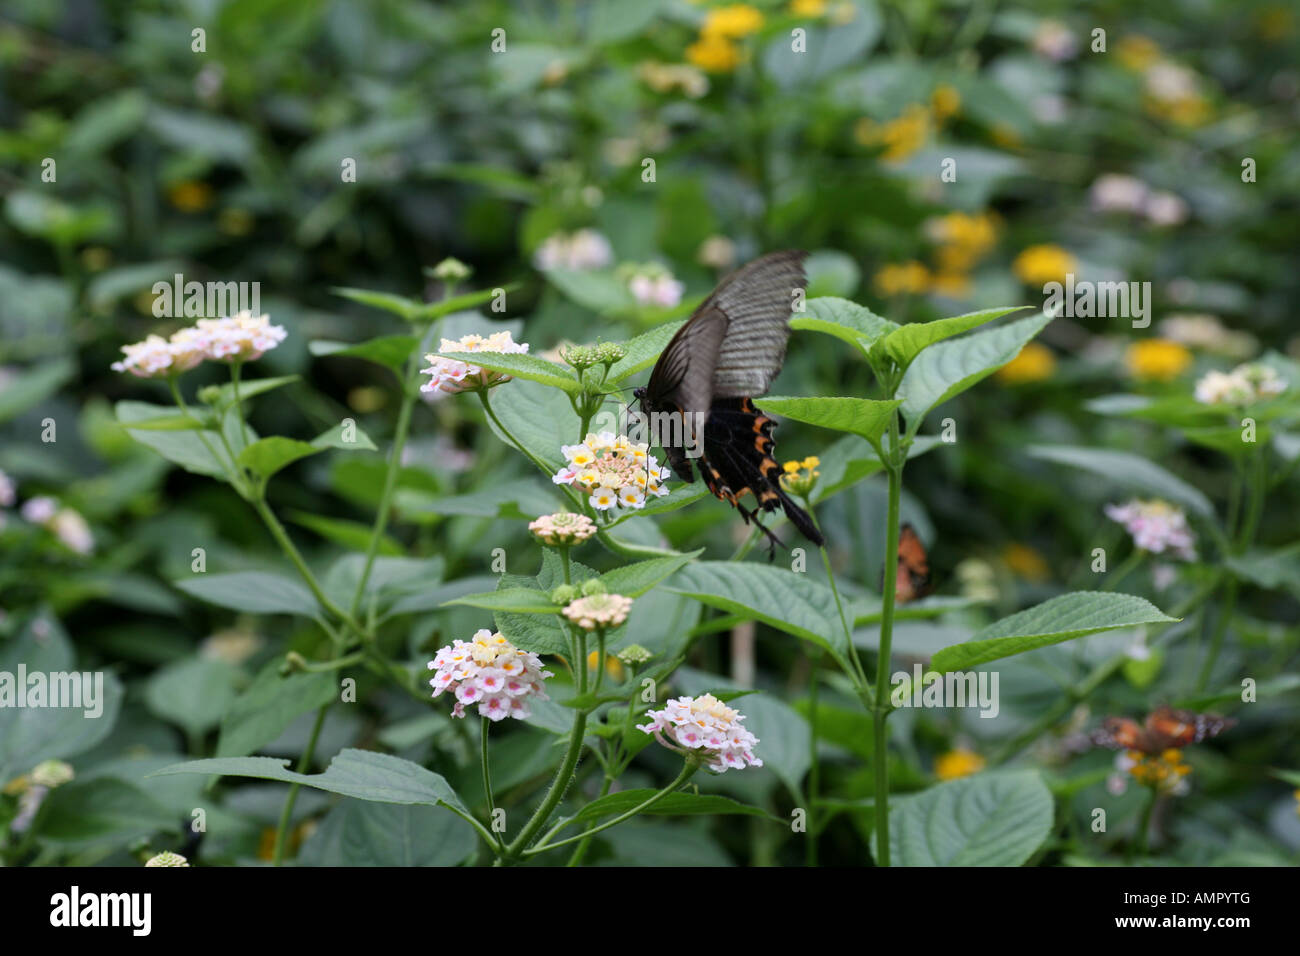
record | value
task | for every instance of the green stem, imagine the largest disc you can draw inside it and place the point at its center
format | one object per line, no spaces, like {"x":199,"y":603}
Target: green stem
{"x":859,"y":676}
{"x":286,"y":544}
{"x":390,"y":482}
{"x":1144,"y":826}
{"x":580,"y":851}
{"x":687,"y":770}
{"x":484,"y":725}
{"x":239,"y":405}
{"x":487,"y":407}
{"x":1220,"y":631}
{"x":174,"y":385}
{"x":304,"y":763}
{"x":881,"y":711}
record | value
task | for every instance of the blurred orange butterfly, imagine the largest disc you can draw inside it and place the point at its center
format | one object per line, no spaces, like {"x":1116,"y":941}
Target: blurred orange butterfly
{"x":1163,"y":729}
{"x":913,"y":567}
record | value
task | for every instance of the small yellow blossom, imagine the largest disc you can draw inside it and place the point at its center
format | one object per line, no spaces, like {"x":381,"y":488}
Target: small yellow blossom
{"x":945,"y":101}
{"x":1157,"y":360}
{"x":1136,"y":52}
{"x":963,"y":238}
{"x":613,"y":666}
{"x":907,"y":278}
{"x":1044,"y":263}
{"x":1025,"y":562}
{"x":900,"y":137}
{"x":1162,"y":771}
{"x":714,"y":53}
{"x":734,"y":21}
{"x":957,"y":763}
{"x":1035,"y":363}
{"x":808,"y":8}
{"x":190,"y":196}
{"x":800,"y":476}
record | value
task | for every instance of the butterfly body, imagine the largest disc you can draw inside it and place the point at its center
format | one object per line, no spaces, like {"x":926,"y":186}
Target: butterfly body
{"x":913,"y":578}
{"x":1165,"y":728}
{"x":727,"y":352}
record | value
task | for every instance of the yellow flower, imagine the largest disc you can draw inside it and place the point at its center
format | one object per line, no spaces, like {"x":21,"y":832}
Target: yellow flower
{"x":1025,"y":561}
{"x":945,"y":101}
{"x":1157,"y":360}
{"x":791,"y":467}
{"x":908,"y":278}
{"x":811,"y":462}
{"x":800,"y":476}
{"x":190,"y":196}
{"x":963,"y":239}
{"x":1035,"y":363}
{"x":900,"y":137}
{"x":1045,"y":263}
{"x":808,"y":8}
{"x":955,"y":285}
{"x":1162,"y":771}
{"x":613,"y":666}
{"x":735,"y":21}
{"x":714,"y":53}
{"x":957,"y":763}
{"x":1137,"y":52}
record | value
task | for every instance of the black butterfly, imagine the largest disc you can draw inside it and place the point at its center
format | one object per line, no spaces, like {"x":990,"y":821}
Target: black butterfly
{"x":727,"y":352}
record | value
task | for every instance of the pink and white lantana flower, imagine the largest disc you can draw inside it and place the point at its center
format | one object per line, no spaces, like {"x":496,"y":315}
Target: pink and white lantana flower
{"x":491,"y":672}
{"x":449,"y":376}
{"x":708,"y":725}
{"x":1156,"y":526}
{"x":613,"y":471}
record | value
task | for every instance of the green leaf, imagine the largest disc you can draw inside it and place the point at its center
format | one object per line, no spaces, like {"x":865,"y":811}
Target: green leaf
{"x":1058,"y":619}
{"x":398,"y":305}
{"x":250,"y":388}
{"x":200,"y":453}
{"x":33,"y":386}
{"x":253,"y":592}
{"x":601,"y":291}
{"x":789,"y":602}
{"x":675,"y":804}
{"x":949,"y":368}
{"x":643,"y":351}
{"x":633,"y":580}
{"x":1277,"y":569}
{"x":353,"y":535}
{"x":847,"y":321}
{"x":360,"y":833}
{"x":345,"y":436}
{"x":1129,"y":471}
{"x":268,"y":455}
{"x":192,"y":693}
{"x":907,"y":342}
{"x":390,"y":351}
{"x":514,"y":600}
{"x":363,"y":774}
{"x":521,"y":365}
{"x":989,"y":819}
{"x":861,"y":416}
{"x":102,"y":810}
{"x":611,"y":21}
{"x":269,"y":705}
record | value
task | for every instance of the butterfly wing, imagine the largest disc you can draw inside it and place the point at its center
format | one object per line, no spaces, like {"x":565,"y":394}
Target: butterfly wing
{"x":681,"y":385}
{"x":913,"y":579}
{"x":1170,"y":728}
{"x":756,"y":301}
{"x":1120,"y":733}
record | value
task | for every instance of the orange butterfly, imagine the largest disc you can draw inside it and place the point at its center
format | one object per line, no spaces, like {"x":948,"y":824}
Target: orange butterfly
{"x":1163,"y":729}
{"x":913,"y":567}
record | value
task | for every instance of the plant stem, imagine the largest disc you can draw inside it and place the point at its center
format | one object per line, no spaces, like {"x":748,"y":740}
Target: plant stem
{"x":304,"y":763}
{"x":687,"y":770}
{"x":484,"y":725}
{"x":881,"y":711}
{"x":580,"y":850}
{"x":291,"y":551}
{"x":390,"y":482}
{"x":1144,"y":826}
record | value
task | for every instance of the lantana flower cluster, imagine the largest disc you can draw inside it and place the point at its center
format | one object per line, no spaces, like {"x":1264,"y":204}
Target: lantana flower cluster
{"x":706,"y":724}
{"x":612,"y":470}
{"x":799,"y":477}
{"x":652,"y":284}
{"x":64,"y":523}
{"x":562,"y":528}
{"x":1164,"y":771}
{"x":1156,"y":526}
{"x":1244,"y":385}
{"x":598,"y":610}
{"x":491,"y":672}
{"x":579,"y":251}
{"x":450,"y":376}
{"x":242,"y":337}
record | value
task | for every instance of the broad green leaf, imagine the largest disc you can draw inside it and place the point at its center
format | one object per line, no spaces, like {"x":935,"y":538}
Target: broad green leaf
{"x":643,"y":351}
{"x":949,"y":368}
{"x":514,"y":600}
{"x":1278,"y":569}
{"x":349,"y":534}
{"x":192,"y":693}
{"x":600,"y":291}
{"x":268,"y":455}
{"x":390,"y":351}
{"x":1125,"y":470}
{"x":29,"y":735}
{"x":33,"y":386}
{"x":200,"y":421}
{"x":541,"y":634}
{"x":102,"y":810}
{"x":675,"y":804}
{"x":989,"y":819}
{"x":345,"y":436}
{"x":679,"y":497}
{"x":251,"y":388}
{"x":906,"y":342}
{"x":861,"y":416}
{"x":611,"y":21}
{"x":539,"y":417}
{"x":1055,"y":620}
{"x":521,"y":365}
{"x":199,"y":452}
{"x":269,"y":705}
{"x":1229,"y":439}
{"x":361,"y":833}
{"x":253,"y":592}
{"x":847,"y":321}
{"x":363,"y":774}
{"x":398,"y":305}
{"x":633,"y":580}
{"x":1180,"y":410}
{"x":789,"y":602}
